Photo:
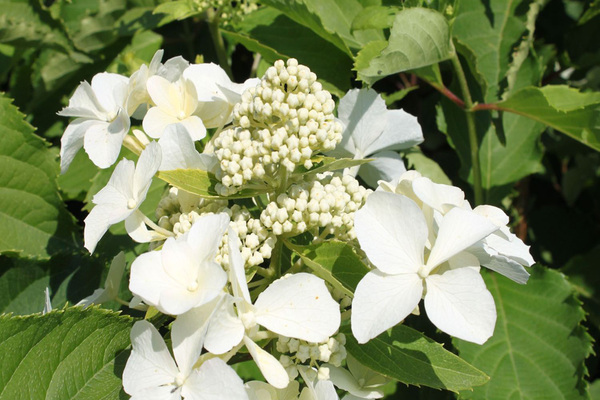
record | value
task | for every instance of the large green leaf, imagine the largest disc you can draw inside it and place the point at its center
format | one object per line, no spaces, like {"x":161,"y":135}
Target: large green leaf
{"x":33,"y":219}
{"x":419,"y":37}
{"x":66,"y":354}
{"x":489,"y":30}
{"x":334,"y":261}
{"x":410,"y":357}
{"x":275,"y":36}
{"x":539,"y":345}
{"x":561,"y":107}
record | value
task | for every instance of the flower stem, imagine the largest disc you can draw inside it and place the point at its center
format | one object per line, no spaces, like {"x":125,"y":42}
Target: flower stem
{"x":217,"y":39}
{"x":473,"y":142}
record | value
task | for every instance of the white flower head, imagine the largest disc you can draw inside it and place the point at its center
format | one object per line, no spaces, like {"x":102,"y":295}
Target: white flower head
{"x":151,"y":373}
{"x":183,"y":274}
{"x":217,"y":94}
{"x":394,"y":234}
{"x":298,"y":306}
{"x":176,"y":103}
{"x":373,"y":131}
{"x":120,"y":199}
{"x":102,"y":120}
{"x":139,"y":98}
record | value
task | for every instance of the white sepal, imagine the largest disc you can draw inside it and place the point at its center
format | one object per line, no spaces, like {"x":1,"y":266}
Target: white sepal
{"x":298,"y":306}
{"x":271,"y":369}
{"x":458,"y":303}
{"x":381,"y":301}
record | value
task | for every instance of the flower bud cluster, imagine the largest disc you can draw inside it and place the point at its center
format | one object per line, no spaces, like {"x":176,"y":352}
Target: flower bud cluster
{"x":296,"y":352}
{"x":278,"y":125}
{"x":327,"y":201}
{"x":257,"y":241}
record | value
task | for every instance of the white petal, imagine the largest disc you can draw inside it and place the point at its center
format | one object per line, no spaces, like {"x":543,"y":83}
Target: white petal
{"x":96,"y":225}
{"x":147,"y":166}
{"x":458,"y":230}
{"x":111,"y":90}
{"x":137,"y":230}
{"x":150,"y":364}
{"x":214,"y":380}
{"x":271,"y":369}
{"x":148,"y":279}
{"x":165,"y":95}
{"x":226,"y":330}
{"x":156,"y":121}
{"x":98,"y":297}
{"x":458,"y":303}
{"x":344,"y":380}
{"x":386,"y":166}
{"x":263,"y":391}
{"x":84,"y":104}
{"x":496,"y":215}
{"x":205,"y":78}
{"x":298,"y":306}
{"x":72,"y":141}
{"x":392,"y":232}
{"x":173,"y":68}
{"x":179,"y":152}
{"x":325,"y":391}
{"x":512,"y":248}
{"x":363,"y":112}
{"x":195,"y":127}
{"x":103,"y":141}
{"x":118,"y":190}
{"x":205,"y":235}
{"x":115,"y":275}
{"x":237,"y":270}
{"x":401,"y":131}
{"x":381,"y":301}
{"x":438,"y":196}
{"x":188,"y":333}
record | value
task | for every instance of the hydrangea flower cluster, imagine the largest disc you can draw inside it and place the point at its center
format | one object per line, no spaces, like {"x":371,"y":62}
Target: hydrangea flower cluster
{"x":226,"y":270}
{"x":278,"y":125}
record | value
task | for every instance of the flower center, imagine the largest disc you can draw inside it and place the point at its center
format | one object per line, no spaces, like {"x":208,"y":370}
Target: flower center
{"x":131,"y":203}
{"x":179,"y":379}
{"x":181,"y":115}
{"x":193,"y":286}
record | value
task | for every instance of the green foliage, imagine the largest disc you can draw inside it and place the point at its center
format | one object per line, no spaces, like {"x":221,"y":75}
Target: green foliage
{"x":539,"y":346}
{"x":334,"y":261}
{"x":410,"y":357}
{"x":31,"y":208}
{"x":419,"y":37}
{"x":73,"y":354}
{"x":563,"y":108}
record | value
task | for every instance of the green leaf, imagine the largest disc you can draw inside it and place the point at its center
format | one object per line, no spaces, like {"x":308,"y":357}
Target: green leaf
{"x":33,"y":219}
{"x":563,"y":108}
{"x":201,"y":183}
{"x":410,"y":357}
{"x":539,"y":345}
{"x":301,"y":13}
{"x":425,"y":165}
{"x":275,"y":36}
{"x":334,"y":261}
{"x":419,"y":37}
{"x":489,"y":31}
{"x":72,"y":353}
{"x":375,"y":17}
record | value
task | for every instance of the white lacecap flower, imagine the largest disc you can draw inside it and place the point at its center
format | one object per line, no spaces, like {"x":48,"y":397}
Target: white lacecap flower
{"x":151,"y":373}
{"x":111,"y":284}
{"x":176,"y":103}
{"x":373,"y":131}
{"x":120,"y":199}
{"x":183,"y":274}
{"x":296,"y":306}
{"x":393,"y":232}
{"x":501,"y":251}
{"x":138,"y":99}
{"x":101,"y":120}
